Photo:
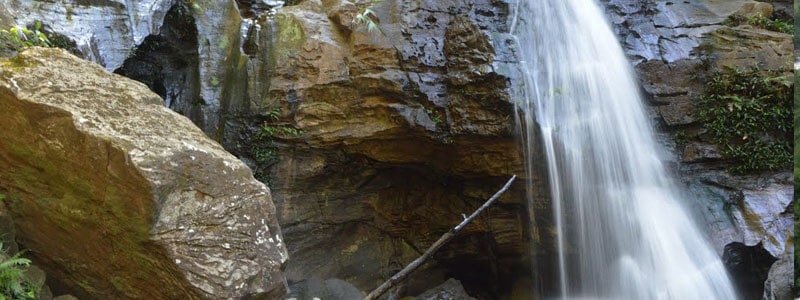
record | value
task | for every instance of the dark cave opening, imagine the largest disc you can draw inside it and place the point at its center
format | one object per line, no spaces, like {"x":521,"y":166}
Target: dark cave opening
{"x":380,"y":211}
{"x":168,"y":63}
{"x":748,"y":267}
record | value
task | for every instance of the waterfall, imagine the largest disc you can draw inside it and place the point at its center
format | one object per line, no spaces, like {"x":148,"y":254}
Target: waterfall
{"x":622,"y":232}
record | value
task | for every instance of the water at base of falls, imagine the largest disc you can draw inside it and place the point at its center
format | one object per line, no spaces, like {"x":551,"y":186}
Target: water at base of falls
{"x":621,"y":230}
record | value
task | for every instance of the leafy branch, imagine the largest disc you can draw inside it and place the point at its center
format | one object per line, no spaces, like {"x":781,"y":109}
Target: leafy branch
{"x":14,"y":283}
{"x":367,"y":18}
{"x":23,"y":37}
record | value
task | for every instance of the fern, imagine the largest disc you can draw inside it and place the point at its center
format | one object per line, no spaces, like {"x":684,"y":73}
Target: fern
{"x":14,"y":283}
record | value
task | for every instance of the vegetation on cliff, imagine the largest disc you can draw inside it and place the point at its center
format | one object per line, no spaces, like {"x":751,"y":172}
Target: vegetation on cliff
{"x":748,"y":113}
{"x":773,"y":24}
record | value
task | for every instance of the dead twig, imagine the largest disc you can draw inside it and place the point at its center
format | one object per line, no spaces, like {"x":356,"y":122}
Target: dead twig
{"x":400,"y":276}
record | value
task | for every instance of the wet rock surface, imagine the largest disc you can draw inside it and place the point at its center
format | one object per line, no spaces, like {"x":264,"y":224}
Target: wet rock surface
{"x":672,"y":45}
{"x":393,"y":136}
{"x":117,"y":196}
{"x":168,"y":63}
{"x":329,"y":289}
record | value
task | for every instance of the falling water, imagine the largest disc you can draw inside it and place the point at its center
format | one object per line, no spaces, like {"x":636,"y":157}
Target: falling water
{"x":622,"y":233}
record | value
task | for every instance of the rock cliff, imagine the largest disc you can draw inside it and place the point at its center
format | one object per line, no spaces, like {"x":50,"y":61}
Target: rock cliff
{"x":676,"y":46}
{"x":375,"y":142}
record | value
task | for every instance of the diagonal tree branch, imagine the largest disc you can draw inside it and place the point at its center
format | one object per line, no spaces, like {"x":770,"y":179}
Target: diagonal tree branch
{"x":400,"y":276}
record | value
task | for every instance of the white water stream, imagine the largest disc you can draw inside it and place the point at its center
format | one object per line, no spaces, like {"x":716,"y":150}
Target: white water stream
{"x":622,"y":231}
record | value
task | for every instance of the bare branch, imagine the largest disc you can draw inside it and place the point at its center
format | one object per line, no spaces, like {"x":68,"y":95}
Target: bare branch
{"x":400,"y":276}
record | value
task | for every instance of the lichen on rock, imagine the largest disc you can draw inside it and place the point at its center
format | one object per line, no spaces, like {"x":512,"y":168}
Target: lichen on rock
{"x":117,"y":196}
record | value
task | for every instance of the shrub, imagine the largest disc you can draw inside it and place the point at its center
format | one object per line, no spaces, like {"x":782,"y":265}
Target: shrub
{"x":749,"y":115}
{"x":367,"y":18}
{"x":23,"y":37}
{"x":264,"y":147}
{"x":778,"y":25}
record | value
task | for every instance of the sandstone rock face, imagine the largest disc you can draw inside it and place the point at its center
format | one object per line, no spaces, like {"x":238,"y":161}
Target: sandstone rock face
{"x":118,"y":197}
{"x":396,"y":134}
{"x":105,"y":33}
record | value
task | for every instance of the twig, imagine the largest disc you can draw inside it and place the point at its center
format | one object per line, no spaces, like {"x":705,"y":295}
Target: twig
{"x":400,"y":276}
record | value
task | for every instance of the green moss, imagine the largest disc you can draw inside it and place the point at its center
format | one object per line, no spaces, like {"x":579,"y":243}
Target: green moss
{"x":17,"y":63}
{"x":778,"y":25}
{"x":264,"y":145}
{"x":749,"y":115}
{"x":291,"y":36}
{"x":18,"y":38}
{"x":681,"y":138}
{"x":223,"y":42}
{"x":435,"y":117}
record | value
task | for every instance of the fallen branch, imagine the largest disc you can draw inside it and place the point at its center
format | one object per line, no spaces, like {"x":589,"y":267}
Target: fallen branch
{"x":400,"y":276}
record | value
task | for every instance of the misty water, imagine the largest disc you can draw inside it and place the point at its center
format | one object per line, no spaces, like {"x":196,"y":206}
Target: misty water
{"x":622,"y":232}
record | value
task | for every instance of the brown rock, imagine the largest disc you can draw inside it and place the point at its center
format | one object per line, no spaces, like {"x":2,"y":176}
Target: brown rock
{"x":118,"y":197}
{"x":450,"y":289}
{"x":341,"y":12}
{"x":755,"y":9}
{"x":698,"y":152}
{"x":678,"y":110}
{"x":746,"y":47}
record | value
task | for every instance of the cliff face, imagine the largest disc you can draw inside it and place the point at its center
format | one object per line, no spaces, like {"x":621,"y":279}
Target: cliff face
{"x":375,"y":143}
{"x":677,"y":47}
{"x":382,"y":140}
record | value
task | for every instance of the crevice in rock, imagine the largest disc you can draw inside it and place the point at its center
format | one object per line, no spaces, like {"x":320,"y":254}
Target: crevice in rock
{"x":748,"y":267}
{"x":168,"y":63}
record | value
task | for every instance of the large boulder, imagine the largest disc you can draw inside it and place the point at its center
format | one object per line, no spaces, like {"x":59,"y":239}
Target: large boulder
{"x":118,"y":197}
{"x":780,"y":279}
